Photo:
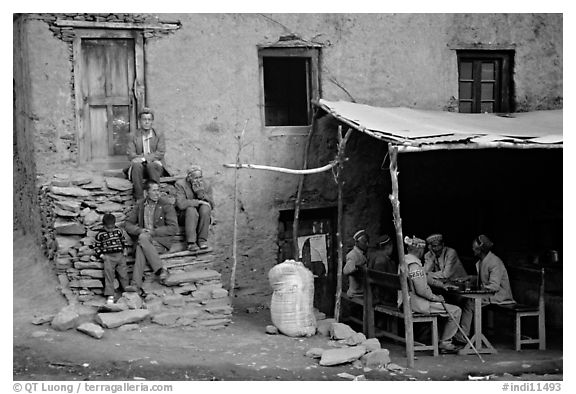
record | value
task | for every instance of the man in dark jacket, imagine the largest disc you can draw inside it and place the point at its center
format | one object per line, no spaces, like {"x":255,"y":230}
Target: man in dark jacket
{"x":153,"y":221}
{"x":195,"y":202}
{"x":146,"y":149}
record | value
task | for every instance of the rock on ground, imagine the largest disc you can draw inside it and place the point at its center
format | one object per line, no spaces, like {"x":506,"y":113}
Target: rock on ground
{"x":376,"y":359}
{"x":270,"y":329}
{"x":117,"y":319}
{"x":371,"y":344}
{"x":91,"y":329}
{"x":341,"y":331}
{"x":324,"y":326}
{"x":315,"y":352}
{"x":342,"y":355}
{"x":66,"y":319}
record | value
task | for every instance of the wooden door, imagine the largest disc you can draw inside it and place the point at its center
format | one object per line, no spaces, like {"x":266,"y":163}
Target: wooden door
{"x":107,"y":72}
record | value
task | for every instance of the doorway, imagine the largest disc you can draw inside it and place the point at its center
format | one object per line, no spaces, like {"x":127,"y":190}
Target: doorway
{"x":317,"y":245}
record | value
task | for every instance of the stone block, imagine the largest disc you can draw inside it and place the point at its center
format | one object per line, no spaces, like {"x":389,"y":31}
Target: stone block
{"x":174,"y":300}
{"x":109,"y":207}
{"x":219,"y":293}
{"x":324,"y":326}
{"x":272,"y":330}
{"x":70,"y":191}
{"x":341,"y":355}
{"x":81,"y":265}
{"x":37,"y":320}
{"x":91,"y":217}
{"x":86,"y":283}
{"x":341,"y":331}
{"x":371,"y":344}
{"x":91,"y":329}
{"x":65,"y":243}
{"x":191,"y":277}
{"x":355,"y":339}
{"x":376,"y":359}
{"x":68,"y":205}
{"x":132,"y":300}
{"x":65,"y":319}
{"x":65,"y":213}
{"x":166,"y":318}
{"x":117,"y":319}
{"x":69,"y":228}
{"x":119,"y":184}
{"x":92,"y":273}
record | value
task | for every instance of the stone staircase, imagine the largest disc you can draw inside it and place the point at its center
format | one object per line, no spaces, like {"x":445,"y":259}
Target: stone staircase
{"x":72,"y":206}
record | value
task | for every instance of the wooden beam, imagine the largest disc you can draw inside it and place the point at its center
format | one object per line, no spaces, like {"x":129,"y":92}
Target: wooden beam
{"x":284,"y":170}
{"x":79,"y":100}
{"x":116,"y":25}
{"x":408,"y":327}
{"x":475,"y":145}
{"x":339,"y":179}
{"x":295,"y":248}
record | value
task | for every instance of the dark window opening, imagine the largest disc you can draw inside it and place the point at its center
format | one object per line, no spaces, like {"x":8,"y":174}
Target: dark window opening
{"x":485,"y":81}
{"x":286,"y":91}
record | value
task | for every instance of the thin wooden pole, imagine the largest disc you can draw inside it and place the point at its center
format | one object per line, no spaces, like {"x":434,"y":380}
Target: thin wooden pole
{"x":317,"y":170}
{"x":339,"y":179}
{"x":235,"y":230}
{"x":298,"y":201}
{"x":408,"y":328}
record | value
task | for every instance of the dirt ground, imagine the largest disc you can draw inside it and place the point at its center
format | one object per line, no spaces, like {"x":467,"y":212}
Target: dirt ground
{"x":242,"y":351}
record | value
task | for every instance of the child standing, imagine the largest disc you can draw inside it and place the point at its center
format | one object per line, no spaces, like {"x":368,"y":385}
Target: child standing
{"x":110,"y":246}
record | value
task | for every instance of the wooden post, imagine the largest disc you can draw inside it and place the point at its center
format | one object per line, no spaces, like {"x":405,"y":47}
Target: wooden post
{"x":408,"y":328}
{"x":298,"y":201}
{"x":341,"y":159}
{"x":235,"y":230}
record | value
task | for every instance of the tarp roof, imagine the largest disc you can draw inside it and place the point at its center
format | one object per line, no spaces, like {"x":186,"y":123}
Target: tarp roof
{"x":423,"y":129}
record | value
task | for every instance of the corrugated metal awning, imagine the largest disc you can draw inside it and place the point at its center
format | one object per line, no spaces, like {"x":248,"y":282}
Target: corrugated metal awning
{"x":422,"y":129}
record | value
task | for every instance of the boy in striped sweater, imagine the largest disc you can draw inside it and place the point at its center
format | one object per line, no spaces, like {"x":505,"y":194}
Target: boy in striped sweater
{"x":111,"y":248}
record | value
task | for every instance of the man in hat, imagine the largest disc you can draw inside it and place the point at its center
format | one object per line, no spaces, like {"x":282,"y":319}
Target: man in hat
{"x":442,"y":262}
{"x":381,"y":258}
{"x":355,"y":261}
{"x":422,"y":299}
{"x":146,"y":148}
{"x":492,"y":275}
{"x":195,"y":203}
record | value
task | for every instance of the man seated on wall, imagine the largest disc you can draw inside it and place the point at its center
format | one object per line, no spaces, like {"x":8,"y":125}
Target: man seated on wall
{"x":195,"y":203}
{"x":355,"y":262}
{"x":153,"y":222}
{"x":146,"y":148}
{"x":441,"y":262}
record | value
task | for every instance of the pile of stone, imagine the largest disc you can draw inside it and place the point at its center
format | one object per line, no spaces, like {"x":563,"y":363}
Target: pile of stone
{"x":72,"y":208}
{"x":349,"y":346}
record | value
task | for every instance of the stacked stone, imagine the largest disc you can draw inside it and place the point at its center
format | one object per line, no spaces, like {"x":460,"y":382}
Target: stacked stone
{"x":72,"y":208}
{"x":192,"y":294}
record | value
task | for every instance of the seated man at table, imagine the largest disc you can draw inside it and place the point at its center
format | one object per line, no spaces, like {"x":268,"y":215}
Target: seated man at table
{"x":355,"y":262}
{"x":441,"y":262}
{"x":492,"y":275}
{"x":381,"y":258}
{"x":422,"y":299}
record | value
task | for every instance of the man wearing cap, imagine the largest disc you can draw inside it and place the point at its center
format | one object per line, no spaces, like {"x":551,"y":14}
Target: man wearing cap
{"x":381,"y":258}
{"x":422,"y":299}
{"x":146,"y":148}
{"x":492,"y":275}
{"x":355,"y":261}
{"x":195,"y":202}
{"x":442,"y":262}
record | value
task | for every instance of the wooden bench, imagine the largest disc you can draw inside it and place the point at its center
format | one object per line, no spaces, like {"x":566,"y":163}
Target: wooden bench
{"x":388,"y":286}
{"x":359,"y":301}
{"x":528,"y":304}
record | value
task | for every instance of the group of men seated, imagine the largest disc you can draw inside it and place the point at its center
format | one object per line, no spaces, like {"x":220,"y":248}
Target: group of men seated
{"x":154,"y":220}
{"x":432,"y":270}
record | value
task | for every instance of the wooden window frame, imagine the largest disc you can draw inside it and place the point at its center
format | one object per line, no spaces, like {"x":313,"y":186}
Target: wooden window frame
{"x":313,"y":89}
{"x":503,"y":81}
{"x":138,"y":95}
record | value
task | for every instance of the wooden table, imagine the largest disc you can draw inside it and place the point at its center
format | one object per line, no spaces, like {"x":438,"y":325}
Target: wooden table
{"x":479,"y":341}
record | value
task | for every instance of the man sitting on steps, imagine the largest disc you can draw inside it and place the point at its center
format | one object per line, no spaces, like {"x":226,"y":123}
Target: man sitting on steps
{"x":195,"y":202}
{"x":153,"y":221}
